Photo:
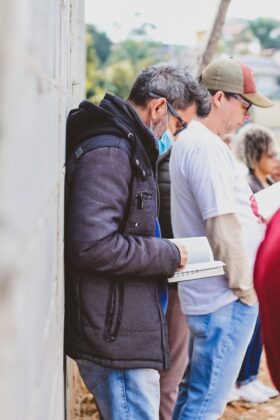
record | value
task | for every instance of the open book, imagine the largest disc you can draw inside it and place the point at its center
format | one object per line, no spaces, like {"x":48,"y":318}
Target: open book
{"x":268,"y":200}
{"x":200,"y":260}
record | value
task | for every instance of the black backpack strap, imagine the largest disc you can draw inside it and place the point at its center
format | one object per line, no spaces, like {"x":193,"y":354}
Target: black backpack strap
{"x":118,"y":142}
{"x":91,"y":144}
{"x":94,"y":143}
{"x":99,"y":142}
{"x":128,"y":146}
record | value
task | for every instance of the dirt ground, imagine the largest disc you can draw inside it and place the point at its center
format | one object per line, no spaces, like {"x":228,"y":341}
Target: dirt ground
{"x":241,"y":410}
{"x":85,"y":409}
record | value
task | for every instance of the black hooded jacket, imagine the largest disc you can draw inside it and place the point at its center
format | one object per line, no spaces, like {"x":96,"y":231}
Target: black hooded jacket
{"x":113,"y":262}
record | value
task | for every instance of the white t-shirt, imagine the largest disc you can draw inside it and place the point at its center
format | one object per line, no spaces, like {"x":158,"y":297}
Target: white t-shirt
{"x":206,"y":181}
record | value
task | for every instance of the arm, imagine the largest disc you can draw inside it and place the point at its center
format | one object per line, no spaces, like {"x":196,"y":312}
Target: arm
{"x":225,"y":237}
{"x":97,"y":205}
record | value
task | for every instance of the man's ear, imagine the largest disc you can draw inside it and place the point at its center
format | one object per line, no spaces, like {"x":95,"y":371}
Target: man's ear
{"x":157,"y":108}
{"x":217,"y":98}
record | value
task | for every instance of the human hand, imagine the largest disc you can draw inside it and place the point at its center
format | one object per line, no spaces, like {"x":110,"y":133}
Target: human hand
{"x":183,"y":253}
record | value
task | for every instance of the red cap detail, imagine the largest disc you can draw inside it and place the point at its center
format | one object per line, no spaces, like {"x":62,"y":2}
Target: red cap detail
{"x":249,"y":84}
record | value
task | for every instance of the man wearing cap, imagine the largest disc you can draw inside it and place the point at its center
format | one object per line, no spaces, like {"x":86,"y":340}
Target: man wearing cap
{"x":210,"y":197}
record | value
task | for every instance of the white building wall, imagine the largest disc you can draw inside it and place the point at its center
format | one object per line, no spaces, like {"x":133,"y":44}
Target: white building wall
{"x":42,"y":72}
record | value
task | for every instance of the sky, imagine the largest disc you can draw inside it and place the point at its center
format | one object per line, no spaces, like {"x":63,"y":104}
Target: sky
{"x":176,"y":21}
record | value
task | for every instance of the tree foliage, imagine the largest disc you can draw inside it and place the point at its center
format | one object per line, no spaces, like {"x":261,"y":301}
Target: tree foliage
{"x":267,"y":31}
{"x":113,"y":67}
{"x":100,"y":42}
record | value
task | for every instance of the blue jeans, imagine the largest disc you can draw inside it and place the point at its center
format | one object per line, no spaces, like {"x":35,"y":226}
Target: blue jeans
{"x":251,"y":362}
{"x":218,"y":342}
{"x":122,"y":394}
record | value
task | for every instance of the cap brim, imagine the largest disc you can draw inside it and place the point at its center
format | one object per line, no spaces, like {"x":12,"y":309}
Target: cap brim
{"x":258,"y":99}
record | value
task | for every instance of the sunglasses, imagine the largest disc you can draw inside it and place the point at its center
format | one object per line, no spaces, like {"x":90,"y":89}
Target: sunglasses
{"x":173,"y":112}
{"x":247,"y":104}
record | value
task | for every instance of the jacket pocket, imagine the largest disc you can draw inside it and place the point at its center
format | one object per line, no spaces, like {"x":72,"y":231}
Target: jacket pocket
{"x":143,"y":212}
{"x":141,"y":306}
{"x":114,"y":311}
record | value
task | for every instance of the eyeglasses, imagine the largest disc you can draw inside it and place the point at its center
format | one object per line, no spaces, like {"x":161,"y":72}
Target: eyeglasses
{"x":246,"y":104}
{"x":173,"y":112}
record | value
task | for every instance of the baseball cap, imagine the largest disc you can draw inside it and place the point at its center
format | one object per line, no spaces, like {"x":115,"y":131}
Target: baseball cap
{"x":229,"y":75}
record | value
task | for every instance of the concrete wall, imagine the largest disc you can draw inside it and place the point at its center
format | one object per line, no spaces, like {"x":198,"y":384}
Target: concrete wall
{"x":42,"y":72}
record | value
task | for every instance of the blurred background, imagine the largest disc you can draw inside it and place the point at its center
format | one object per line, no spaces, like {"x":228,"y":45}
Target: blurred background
{"x":124,"y":38}
{"x":52,"y":55}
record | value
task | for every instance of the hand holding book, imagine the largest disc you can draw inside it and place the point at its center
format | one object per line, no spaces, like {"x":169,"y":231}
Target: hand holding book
{"x":200,"y":261}
{"x":183,"y":254}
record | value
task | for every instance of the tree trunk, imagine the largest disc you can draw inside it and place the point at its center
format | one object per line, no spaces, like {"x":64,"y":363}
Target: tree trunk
{"x":213,"y":38}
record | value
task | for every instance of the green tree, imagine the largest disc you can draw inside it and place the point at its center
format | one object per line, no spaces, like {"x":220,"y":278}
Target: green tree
{"x":119,"y":77}
{"x":101,"y":42}
{"x":98,"y":48}
{"x":133,"y":50}
{"x":121,"y":74}
{"x":113,"y":67}
{"x":141,"y":32}
{"x":92,"y":65}
{"x":267,"y":31}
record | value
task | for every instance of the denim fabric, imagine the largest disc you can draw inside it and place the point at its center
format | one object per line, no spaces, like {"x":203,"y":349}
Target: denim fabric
{"x":218,"y":342}
{"x":122,"y":394}
{"x":251,"y":362}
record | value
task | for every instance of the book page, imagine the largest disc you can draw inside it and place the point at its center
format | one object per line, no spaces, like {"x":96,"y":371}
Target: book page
{"x":268,"y":200}
{"x":198,"y":248}
{"x":200,"y":262}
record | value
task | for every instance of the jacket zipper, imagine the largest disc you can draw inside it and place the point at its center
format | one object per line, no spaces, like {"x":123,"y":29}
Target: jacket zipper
{"x":140,"y":196}
{"x":114,"y":311}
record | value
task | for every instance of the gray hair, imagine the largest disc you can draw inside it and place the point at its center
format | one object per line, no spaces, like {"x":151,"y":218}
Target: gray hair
{"x":174,"y":83}
{"x":251,"y":142}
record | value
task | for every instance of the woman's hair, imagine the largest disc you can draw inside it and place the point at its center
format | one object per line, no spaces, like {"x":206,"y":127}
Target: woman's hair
{"x":251,"y":142}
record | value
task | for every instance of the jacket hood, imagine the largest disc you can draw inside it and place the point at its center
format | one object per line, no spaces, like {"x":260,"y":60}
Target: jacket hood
{"x":114,"y":116}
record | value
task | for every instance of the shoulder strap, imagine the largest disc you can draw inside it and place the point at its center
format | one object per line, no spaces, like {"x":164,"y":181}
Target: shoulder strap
{"x":91,"y":144}
{"x":101,"y":141}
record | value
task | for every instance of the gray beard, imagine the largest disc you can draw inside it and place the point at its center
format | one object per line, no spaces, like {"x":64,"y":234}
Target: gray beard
{"x":160,"y":128}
